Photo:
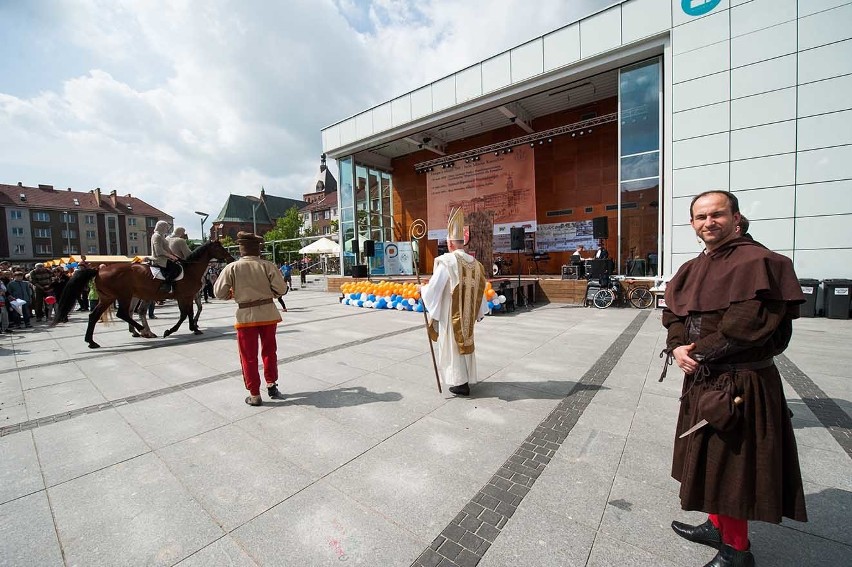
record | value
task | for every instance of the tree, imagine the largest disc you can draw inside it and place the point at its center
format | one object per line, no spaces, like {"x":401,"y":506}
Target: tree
{"x":227,"y":241}
{"x":286,"y":228}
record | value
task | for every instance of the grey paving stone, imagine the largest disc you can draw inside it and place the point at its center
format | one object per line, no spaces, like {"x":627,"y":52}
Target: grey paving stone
{"x":607,"y":418}
{"x":319,"y":445}
{"x":224,"y":551}
{"x":826,"y":468}
{"x":327,"y":370}
{"x":322,"y":526}
{"x":607,"y":552}
{"x":78,"y":446}
{"x":655,"y":419}
{"x":828,"y":513}
{"x":419,"y":494}
{"x":115,"y":386}
{"x":181,"y":370}
{"x":780,"y":546}
{"x":538,"y":538}
{"x":13,"y":409}
{"x":232,"y":474}
{"x":648,"y":463}
{"x":61,"y":398}
{"x":27,"y":536}
{"x":20,"y":473}
{"x":592,"y":446}
{"x":153,"y":419}
{"x":575,"y":491}
{"x":132,"y":513}
{"x":226,"y":398}
{"x":50,"y":375}
{"x":643,"y":519}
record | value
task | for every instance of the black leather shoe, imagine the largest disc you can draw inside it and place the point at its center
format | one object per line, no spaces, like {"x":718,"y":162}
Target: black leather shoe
{"x":463,"y":390}
{"x":275,"y":393}
{"x":730,"y":557}
{"x":705,"y":534}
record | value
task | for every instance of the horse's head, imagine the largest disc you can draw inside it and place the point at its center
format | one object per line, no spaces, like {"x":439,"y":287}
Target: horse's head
{"x":219,"y":252}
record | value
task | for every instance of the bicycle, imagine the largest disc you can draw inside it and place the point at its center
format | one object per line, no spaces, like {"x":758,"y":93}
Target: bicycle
{"x":638,"y":296}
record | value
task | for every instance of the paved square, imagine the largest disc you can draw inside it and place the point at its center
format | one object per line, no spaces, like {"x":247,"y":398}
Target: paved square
{"x":143,"y":452}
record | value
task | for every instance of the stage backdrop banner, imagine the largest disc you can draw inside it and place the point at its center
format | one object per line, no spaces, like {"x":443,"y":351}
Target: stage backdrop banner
{"x":565,"y":236}
{"x":503,"y":184}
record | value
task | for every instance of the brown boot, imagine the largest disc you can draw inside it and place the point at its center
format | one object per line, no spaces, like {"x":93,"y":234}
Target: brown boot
{"x":254,"y":400}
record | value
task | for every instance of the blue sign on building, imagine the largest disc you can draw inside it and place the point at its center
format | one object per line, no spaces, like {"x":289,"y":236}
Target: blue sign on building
{"x":698,"y":7}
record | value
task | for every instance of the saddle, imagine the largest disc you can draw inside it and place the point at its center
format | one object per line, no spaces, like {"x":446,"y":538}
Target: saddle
{"x":157,"y":272}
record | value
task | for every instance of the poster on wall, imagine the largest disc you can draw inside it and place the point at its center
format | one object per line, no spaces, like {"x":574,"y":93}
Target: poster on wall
{"x":565,"y":236}
{"x":504,"y":184}
{"x":392,"y":259}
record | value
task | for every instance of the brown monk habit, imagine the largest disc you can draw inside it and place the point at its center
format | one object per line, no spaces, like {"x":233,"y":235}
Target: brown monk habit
{"x":736,"y":304}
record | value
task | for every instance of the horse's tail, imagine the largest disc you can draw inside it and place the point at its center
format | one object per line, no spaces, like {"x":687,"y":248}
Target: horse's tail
{"x":71,"y":292}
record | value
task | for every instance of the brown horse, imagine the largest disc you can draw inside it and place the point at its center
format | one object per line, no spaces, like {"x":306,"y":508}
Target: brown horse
{"x":123,"y":282}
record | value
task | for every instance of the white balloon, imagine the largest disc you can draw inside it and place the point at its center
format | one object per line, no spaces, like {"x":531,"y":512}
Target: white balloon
{"x":501,"y":299}
{"x":400,"y":307}
{"x":412,"y":301}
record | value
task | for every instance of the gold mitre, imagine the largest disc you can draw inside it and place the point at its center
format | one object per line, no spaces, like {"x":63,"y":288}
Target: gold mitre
{"x":455,"y":228}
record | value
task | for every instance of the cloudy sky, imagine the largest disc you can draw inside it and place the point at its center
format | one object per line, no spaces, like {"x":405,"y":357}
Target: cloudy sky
{"x":181,"y":102}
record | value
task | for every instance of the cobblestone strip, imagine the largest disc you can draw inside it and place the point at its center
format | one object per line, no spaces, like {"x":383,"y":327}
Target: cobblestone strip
{"x":831,"y":415}
{"x":47,"y":420}
{"x":469,"y":535}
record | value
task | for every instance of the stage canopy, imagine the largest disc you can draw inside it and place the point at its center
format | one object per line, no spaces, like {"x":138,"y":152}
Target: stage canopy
{"x":321,"y":246}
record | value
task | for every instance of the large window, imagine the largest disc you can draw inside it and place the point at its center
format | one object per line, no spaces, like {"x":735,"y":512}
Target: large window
{"x":15,"y":214}
{"x":365,"y":209}
{"x":17,"y":231}
{"x":347,"y":215}
{"x":90,"y":219}
{"x":41,"y":216}
{"x":42,"y":233}
{"x":639,"y":168}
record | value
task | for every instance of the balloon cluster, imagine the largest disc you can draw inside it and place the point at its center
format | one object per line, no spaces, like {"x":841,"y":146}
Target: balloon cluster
{"x":382,"y":295}
{"x":399,"y":296}
{"x":495,"y":301}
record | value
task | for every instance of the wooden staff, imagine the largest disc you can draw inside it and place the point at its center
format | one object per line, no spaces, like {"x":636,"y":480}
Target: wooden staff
{"x":415,"y":233}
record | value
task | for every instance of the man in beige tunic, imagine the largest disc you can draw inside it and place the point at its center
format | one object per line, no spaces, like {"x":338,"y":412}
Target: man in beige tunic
{"x":455,"y":302}
{"x":254,"y":283}
{"x":177,"y":243}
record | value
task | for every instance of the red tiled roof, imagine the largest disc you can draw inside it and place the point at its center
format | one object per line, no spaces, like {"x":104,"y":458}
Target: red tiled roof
{"x":47,"y":197}
{"x":330,"y":201}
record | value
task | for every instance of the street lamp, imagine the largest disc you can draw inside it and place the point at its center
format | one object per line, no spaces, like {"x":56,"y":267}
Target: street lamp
{"x":203,"y":218}
{"x":255,"y":203}
{"x":67,"y":231}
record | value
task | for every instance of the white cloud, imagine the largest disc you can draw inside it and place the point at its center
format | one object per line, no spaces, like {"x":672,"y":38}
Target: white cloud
{"x":186,"y":101}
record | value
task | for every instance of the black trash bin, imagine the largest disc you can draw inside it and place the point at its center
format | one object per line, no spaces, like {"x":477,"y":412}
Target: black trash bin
{"x":809,"y":289}
{"x":837,"y":298}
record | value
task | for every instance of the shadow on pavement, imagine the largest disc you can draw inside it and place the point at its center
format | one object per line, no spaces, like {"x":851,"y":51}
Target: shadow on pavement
{"x":340,"y":397}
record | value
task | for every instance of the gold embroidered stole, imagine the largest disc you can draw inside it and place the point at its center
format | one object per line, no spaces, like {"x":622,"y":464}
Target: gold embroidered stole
{"x":467,"y":297}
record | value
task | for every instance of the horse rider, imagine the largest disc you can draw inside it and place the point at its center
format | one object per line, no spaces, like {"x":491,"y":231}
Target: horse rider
{"x":162,"y":256}
{"x":177,"y":243}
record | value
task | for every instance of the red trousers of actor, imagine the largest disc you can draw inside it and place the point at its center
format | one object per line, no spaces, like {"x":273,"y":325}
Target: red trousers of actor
{"x":247,"y":338}
{"x":734,"y":531}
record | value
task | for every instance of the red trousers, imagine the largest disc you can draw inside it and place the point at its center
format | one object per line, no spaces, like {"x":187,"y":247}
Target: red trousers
{"x":734,"y":531}
{"x":247,"y":338}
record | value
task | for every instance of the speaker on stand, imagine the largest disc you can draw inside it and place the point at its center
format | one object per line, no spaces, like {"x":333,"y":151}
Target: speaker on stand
{"x":516,"y":235}
{"x":600,"y":228}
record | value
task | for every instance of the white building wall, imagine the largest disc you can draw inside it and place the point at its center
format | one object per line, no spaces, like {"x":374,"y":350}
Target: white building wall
{"x":756,"y":101}
{"x":778,"y":73}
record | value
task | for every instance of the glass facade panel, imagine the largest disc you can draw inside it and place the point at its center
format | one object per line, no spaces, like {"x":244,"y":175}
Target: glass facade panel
{"x":365,"y":210}
{"x":639,"y":171}
{"x":347,"y":215}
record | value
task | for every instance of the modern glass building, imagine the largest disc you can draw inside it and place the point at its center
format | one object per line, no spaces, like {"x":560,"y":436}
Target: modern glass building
{"x":601,"y":132}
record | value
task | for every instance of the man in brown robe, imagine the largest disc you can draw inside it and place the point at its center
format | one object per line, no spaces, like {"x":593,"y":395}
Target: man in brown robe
{"x":730,"y":311}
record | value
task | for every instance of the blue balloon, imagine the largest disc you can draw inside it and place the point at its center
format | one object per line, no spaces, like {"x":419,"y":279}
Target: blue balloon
{"x":360,"y":303}
{"x":419,"y":308}
{"x":381,"y":304}
{"x":498,"y":306}
{"x":371,"y":297}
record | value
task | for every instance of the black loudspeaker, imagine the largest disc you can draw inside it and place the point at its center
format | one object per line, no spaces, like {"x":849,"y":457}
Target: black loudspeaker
{"x":600,"y":227}
{"x":597,"y":268}
{"x":360,"y":271}
{"x":355,"y":246}
{"x":369,"y":248}
{"x":517,"y":236}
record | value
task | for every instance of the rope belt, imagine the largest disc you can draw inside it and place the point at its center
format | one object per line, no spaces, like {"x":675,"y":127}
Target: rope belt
{"x":248,"y":304}
{"x":723,"y":368}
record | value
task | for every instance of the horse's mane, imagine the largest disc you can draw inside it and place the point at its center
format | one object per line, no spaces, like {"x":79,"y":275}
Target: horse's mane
{"x":196,"y":254}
